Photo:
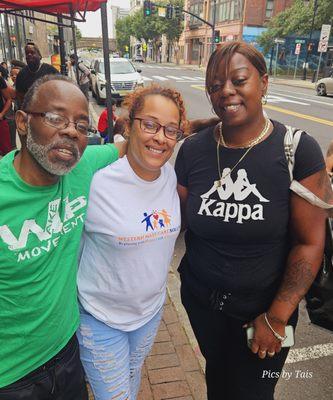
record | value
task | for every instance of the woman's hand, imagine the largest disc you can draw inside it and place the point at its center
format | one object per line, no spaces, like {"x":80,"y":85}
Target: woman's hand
{"x":264,"y":343}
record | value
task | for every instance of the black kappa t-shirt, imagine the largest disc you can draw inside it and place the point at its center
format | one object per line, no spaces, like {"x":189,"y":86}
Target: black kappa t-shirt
{"x":26,"y":77}
{"x":237,"y":237}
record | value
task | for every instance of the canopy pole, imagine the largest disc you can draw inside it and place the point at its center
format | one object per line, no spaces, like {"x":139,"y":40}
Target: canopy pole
{"x":107,"y":69}
{"x":63,"y":69}
{"x":74,"y":47}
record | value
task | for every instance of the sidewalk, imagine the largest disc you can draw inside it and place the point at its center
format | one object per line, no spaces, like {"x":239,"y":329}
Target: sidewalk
{"x":172,"y":370}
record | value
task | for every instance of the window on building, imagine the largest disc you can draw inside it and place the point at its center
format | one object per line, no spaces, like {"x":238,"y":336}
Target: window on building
{"x":269,"y":8}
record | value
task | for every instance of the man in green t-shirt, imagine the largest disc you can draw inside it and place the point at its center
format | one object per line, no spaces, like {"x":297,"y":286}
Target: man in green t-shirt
{"x":43,"y":198}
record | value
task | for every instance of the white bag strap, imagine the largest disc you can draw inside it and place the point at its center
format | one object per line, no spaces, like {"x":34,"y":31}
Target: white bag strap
{"x":291,"y":141}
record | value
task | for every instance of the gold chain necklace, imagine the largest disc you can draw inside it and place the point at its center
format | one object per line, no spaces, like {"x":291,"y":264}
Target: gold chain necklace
{"x":250,"y":145}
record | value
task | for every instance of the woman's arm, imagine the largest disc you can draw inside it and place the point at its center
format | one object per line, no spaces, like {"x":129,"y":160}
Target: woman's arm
{"x":183,"y":194}
{"x":307,"y":224}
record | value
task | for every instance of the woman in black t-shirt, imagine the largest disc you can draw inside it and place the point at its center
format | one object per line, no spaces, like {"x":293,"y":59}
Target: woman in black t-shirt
{"x":253,"y":248}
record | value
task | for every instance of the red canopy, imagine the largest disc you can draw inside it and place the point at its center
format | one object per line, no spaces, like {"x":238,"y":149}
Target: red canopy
{"x":52,"y":6}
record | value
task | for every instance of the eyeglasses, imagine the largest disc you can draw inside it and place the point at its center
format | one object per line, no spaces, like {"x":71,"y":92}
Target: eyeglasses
{"x":153,"y":127}
{"x":61,"y":122}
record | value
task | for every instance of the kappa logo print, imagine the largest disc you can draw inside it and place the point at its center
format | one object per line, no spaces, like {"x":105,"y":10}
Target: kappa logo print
{"x":239,"y":190}
{"x":50,"y":235}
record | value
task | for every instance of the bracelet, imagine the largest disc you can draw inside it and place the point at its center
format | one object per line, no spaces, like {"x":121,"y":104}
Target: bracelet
{"x":277,"y":335}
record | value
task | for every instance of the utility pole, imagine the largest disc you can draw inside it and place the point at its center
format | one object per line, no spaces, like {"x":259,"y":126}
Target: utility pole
{"x":62,"y":52}
{"x":213,"y":26}
{"x":315,"y":6}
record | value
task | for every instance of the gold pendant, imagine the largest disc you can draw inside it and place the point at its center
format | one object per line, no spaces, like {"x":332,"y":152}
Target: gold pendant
{"x":217,"y":183}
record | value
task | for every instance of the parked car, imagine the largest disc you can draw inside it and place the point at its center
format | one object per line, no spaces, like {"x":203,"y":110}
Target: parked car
{"x":324,"y":86}
{"x":138,"y":58}
{"x":124,"y":79}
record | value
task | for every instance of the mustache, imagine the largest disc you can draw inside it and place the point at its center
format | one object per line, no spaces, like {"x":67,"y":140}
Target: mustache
{"x":68,"y":144}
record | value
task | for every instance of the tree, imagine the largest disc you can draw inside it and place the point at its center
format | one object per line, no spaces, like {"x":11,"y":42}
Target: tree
{"x":123,"y":33}
{"x":296,"y":20}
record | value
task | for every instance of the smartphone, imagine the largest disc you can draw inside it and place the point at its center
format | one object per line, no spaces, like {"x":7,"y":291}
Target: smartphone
{"x":289,"y":342}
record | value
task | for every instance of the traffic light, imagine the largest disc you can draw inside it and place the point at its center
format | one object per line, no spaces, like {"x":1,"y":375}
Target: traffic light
{"x":216,"y":36}
{"x":178,"y":13}
{"x":146,"y":8}
{"x":169,"y":11}
{"x":310,"y":47}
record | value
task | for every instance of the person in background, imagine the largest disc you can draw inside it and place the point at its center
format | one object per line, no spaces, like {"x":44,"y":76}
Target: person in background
{"x":83,"y":72}
{"x":10,"y":116}
{"x":132,"y":224}
{"x":17,"y":63}
{"x":103,"y":125}
{"x":253,"y":247}
{"x":4,"y":70}
{"x":6,"y":98}
{"x":34,"y":70}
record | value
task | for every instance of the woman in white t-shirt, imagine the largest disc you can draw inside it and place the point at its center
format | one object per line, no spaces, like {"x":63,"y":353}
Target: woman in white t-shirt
{"x":133,"y":221}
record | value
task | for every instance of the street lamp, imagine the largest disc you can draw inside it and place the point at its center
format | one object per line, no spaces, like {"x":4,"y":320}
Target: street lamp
{"x":315,"y":6}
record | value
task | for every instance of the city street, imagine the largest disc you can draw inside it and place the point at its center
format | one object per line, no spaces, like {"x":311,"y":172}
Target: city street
{"x":310,"y":362}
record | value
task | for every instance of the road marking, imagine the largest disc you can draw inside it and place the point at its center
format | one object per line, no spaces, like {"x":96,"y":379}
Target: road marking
{"x":189,"y":78}
{"x":200,"y":87}
{"x":284,"y":111}
{"x":160,"y":78}
{"x":299,"y":115}
{"x":278,"y":99}
{"x":177,"y":78}
{"x":310,"y":353}
{"x":300,"y":98}
{"x":145,"y":78}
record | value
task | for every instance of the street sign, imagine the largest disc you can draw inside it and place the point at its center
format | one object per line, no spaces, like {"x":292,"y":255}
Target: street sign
{"x":324,"y":37}
{"x":322,"y":47}
{"x":298,"y":48}
{"x":280,"y":41}
{"x":161,"y":11}
{"x":301,"y":41}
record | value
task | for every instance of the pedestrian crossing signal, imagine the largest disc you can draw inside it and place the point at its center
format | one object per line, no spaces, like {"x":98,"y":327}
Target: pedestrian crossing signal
{"x":216,"y":36}
{"x":146,"y":8}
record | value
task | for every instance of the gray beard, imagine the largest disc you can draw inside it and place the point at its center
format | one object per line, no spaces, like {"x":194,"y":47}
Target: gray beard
{"x":40,"y":153}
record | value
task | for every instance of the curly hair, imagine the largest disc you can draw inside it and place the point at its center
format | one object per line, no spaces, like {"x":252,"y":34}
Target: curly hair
{"x":134,"y":102}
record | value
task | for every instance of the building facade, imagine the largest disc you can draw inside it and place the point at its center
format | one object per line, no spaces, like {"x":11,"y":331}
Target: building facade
{"x":234,"y":19}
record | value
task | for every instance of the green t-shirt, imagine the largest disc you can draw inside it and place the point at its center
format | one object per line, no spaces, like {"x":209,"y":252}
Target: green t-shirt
{"x":40,"y":231}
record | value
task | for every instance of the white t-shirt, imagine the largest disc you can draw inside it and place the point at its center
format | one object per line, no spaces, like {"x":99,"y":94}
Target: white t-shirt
{"x":127,"y":245}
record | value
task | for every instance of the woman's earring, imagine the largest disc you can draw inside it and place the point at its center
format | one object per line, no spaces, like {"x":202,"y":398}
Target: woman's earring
{"x":264,"y":99}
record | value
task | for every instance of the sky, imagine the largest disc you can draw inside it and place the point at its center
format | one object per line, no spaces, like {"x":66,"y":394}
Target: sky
{"x":92,"y":26}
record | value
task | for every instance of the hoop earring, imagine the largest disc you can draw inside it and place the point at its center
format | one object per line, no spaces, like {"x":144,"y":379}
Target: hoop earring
{"x":264,"y":99}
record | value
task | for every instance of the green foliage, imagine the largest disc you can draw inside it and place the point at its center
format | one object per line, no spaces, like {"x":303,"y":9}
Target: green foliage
{"x":297,"y":20}
{"x":149,"y":28}
{"x":123,"y":33}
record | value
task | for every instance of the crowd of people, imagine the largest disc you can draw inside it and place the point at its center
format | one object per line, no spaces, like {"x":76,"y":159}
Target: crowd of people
{"x":87,"y":233}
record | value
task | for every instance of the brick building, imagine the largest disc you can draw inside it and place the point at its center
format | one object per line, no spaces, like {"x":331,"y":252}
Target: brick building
{"x":235,"y":19}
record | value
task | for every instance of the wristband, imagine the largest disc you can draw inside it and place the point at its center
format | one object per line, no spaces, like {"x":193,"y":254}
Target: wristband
{"x":277,"y":335}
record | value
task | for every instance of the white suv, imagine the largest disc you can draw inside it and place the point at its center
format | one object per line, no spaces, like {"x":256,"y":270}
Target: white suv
{"x":124,"y":79}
